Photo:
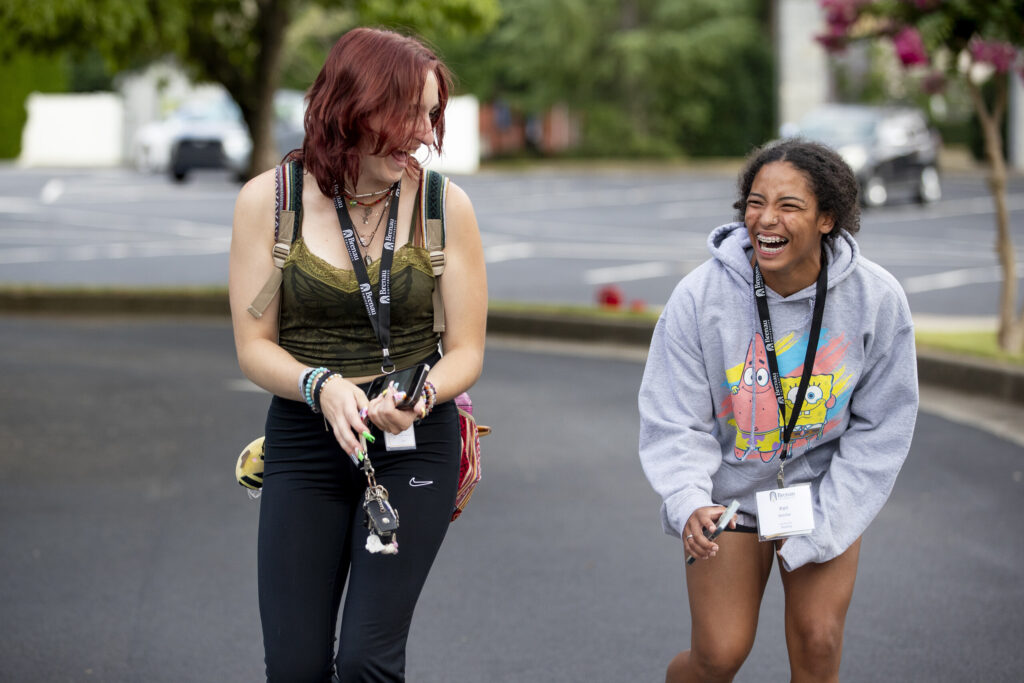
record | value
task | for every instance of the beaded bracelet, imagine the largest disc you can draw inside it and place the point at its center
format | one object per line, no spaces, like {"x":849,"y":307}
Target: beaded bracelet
{"x":429,"y":397}
{"x":307,"y":390}
{"x":319,"y":388}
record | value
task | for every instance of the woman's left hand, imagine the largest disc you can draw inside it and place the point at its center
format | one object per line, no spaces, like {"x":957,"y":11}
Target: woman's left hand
{"x":384,"y":413}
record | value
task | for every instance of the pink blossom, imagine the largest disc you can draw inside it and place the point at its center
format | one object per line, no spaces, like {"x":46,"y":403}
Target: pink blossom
{"x":840,"y":15}
{"x":997,"y":53}
{"x":909,"y":47}
{"x":841,"y":11}
{"x":835,"y":40}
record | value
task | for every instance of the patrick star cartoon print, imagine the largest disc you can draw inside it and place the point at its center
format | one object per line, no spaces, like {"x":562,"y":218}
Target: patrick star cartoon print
{"x":755,"y":408}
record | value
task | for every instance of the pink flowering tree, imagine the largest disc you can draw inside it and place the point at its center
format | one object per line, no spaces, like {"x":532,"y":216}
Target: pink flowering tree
{"x":974,"y":41}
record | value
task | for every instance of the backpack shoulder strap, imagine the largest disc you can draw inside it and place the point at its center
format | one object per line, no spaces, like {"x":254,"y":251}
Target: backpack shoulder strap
{"x":287,"y":221}
{"x":433,"y":193}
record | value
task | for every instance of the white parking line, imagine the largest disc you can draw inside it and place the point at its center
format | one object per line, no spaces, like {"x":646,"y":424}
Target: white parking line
{"x":51,"y":191}
{"x":952,"y":279}
{"x":601,"y":251}
{"x":627,"y":273}
{"x":508,"y":252}
{"x":947,"y":208}
{"x":113,"y":251}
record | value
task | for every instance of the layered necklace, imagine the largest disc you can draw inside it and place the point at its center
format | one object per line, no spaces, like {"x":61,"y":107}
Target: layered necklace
{"x":353,"y":201}
{"x":376,"y":198}
{"x":364,"y":243}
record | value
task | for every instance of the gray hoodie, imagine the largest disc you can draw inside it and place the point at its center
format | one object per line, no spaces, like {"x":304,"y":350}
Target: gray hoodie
{"x":710,"y":428}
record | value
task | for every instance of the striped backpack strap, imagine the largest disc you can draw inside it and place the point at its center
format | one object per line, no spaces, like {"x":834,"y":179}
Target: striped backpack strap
{"x":433,"y":192}
{"x":287,"y":219}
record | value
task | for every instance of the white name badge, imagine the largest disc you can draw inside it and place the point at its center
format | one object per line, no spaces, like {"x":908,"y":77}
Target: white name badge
{"x":402,"y":441}
{"x":782,"y":513}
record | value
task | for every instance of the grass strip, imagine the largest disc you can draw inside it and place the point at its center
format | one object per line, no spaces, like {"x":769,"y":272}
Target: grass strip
{"x":576,"y":311}
{"x":976,"y":344}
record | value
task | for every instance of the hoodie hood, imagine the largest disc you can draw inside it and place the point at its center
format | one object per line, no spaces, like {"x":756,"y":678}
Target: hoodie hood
{"x":729,"y":244}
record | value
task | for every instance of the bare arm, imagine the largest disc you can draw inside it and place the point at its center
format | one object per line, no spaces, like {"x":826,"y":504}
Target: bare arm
{"x":250,"y":264}
{"x":260,"y":357}
{"x":464,"y":290}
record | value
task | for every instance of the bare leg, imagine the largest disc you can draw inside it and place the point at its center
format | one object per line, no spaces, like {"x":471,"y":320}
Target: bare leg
{"x":817,"y":598}
{"x":725,"y":598}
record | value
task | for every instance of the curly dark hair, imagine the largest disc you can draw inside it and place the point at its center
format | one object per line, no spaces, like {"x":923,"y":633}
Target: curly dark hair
{"x":833,"y":183}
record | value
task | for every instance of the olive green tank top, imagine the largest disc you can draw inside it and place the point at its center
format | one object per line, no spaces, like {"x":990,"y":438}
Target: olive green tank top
{"x":324,"y":321}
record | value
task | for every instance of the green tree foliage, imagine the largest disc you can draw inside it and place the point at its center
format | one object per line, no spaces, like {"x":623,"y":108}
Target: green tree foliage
{"x":649,"y":77}
{"x":23,"y":74}
{"x":237,"y":43}
{"x":308,"y":39}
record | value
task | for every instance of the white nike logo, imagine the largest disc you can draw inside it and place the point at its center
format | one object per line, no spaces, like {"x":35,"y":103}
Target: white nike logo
{"x":416,"y":482}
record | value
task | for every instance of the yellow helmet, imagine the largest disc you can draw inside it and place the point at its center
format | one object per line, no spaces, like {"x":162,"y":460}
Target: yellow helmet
{"x":249,"y":468}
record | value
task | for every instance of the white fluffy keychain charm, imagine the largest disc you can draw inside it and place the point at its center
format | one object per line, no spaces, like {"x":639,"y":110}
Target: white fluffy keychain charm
{"x":374,"y":545}
{"x":381,"y":518}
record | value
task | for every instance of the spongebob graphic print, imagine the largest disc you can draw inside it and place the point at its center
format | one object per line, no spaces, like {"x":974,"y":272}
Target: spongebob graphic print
{"x":755,"y":409}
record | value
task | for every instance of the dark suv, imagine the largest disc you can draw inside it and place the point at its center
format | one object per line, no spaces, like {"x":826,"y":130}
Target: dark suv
{"x":891,"y":149}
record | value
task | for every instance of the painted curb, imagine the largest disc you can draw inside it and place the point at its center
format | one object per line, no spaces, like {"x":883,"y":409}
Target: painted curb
{"x":992,"y":379}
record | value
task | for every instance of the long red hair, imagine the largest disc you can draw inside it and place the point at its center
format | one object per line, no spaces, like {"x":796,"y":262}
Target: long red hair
{"x":368,"y":72}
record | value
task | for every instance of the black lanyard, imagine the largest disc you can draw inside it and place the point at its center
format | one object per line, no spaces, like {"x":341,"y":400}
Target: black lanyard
{"x":761,"y":296}
{"x":379,"y":312}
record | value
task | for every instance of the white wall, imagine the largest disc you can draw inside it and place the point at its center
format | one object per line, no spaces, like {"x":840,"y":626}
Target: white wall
{"x":801,"y":63}
{"x":73,"y":130}
{"x":461,"y":138}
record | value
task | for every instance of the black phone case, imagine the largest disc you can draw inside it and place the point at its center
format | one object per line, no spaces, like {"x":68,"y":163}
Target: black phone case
{"x":410,"y":380}
{"x":414,"y":387}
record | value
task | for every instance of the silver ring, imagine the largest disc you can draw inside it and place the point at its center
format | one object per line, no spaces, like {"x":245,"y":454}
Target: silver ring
{"x":689,"y":536}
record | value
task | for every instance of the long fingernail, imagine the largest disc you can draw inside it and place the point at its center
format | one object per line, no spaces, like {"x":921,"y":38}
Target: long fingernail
{"x":363,"y":413}
{"x":369,"y":437}
{"x":360,"y":455}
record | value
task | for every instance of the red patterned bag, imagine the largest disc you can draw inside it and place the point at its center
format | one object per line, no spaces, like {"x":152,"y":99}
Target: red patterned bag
{"x":469,"y":467}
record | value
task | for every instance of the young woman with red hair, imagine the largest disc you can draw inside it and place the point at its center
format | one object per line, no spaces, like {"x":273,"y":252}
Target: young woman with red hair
{"x":379,"y":97}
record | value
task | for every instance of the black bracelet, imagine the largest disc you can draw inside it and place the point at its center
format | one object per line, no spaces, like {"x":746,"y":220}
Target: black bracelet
{"x":320,"y":381}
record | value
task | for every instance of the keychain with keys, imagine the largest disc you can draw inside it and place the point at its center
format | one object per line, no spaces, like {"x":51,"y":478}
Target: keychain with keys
{"x":381,"y":517}
{"x":381,"y":520}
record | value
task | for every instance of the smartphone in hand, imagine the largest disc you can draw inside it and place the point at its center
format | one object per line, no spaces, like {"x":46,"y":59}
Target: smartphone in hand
{"x":409,"y":380}
{"x":723,"y":523}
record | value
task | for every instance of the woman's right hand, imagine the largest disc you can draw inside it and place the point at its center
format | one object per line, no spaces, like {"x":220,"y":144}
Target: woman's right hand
{"x":340,"y":402}
{"x":694,"y":541}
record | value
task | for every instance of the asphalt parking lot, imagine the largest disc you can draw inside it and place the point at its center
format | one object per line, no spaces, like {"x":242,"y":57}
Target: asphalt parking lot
{"x":129,"y":551}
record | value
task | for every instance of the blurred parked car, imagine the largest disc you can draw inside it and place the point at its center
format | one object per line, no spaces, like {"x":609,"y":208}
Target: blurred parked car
{"x":891,"y":149}
{"x":209,"y":132}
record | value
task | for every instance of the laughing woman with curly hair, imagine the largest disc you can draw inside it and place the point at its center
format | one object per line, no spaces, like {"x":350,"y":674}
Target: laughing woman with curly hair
{"x":782,"y":376}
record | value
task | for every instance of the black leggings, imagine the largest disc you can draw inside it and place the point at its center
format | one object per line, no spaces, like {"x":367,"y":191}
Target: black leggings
{"x":311,"y":537}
